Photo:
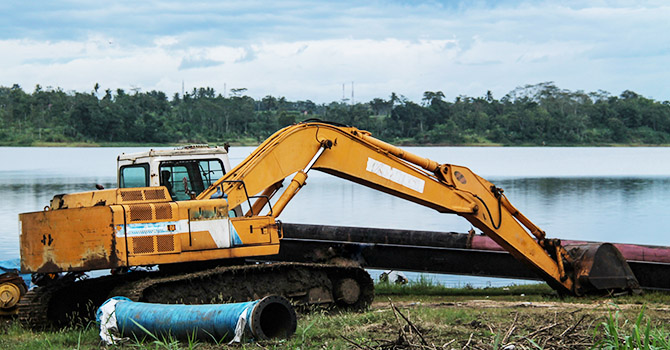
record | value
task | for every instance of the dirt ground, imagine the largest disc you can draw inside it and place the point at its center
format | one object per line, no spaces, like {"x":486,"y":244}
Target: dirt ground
{"x":495,"y":324}
{"x":443,"y":322}
{"x":599,"y":305}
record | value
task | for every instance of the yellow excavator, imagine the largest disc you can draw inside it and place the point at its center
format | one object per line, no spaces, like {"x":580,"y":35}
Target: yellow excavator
{"x":200,"y":244}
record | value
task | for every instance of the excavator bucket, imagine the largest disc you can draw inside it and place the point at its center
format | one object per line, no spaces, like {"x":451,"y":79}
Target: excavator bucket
{"x":600,"y":267}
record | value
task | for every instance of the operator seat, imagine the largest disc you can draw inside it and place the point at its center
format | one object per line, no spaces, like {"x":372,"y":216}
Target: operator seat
{"x":165,"y":181}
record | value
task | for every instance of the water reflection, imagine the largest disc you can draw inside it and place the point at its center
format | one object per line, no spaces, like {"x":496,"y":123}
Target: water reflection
{"x":620,"y":206}
{"x":626,"y":210}
{"x":22,"y":193}
{"x":615,"y":209}
{"x":554,"y":187}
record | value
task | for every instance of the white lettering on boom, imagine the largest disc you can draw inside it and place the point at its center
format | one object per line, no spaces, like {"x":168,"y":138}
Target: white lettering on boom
{"x":395,"y":175}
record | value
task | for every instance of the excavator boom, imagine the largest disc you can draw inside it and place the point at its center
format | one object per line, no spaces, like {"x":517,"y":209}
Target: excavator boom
{"x":355,"y":155}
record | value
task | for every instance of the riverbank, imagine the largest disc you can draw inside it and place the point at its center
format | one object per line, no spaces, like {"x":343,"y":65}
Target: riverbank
{"x":426,"y":316}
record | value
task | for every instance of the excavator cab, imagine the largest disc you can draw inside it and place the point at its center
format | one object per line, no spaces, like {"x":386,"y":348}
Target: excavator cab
{"x":185,"y":179}
{"x":185,"y":172}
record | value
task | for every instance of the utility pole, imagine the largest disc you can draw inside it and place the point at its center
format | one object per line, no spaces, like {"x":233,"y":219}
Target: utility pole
{"x":352,"y":93}
{"x":182,"y":88}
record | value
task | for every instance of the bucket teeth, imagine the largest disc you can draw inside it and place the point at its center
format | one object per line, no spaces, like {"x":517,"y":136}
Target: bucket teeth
{"x":600,"y":267}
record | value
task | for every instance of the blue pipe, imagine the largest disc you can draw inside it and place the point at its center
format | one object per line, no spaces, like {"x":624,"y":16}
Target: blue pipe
{"x":270,"y":317}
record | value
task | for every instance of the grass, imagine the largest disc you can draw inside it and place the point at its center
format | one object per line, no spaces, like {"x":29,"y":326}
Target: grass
{"x":15,"y":337}
{"x":640,"y":335}
{"x":486,"y":318}
{"x":426,"y":286}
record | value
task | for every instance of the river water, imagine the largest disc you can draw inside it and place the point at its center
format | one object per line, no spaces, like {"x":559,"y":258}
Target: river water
{"x":600,"y":194}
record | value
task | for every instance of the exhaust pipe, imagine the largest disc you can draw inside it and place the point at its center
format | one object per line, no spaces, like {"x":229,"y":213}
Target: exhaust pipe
{"x":267,"y":318}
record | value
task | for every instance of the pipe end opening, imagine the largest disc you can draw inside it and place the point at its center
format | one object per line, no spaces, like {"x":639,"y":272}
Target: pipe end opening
{"x":273,"y":317}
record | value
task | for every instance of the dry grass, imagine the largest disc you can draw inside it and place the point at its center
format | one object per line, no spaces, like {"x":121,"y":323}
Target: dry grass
{"x":427,"y":322}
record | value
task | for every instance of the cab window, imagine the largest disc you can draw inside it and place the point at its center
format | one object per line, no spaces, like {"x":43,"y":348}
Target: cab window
{"x":178,"y":181}
{"x":211,"y":171}
{"x":136,"y":175}
{"x":186,"y":178}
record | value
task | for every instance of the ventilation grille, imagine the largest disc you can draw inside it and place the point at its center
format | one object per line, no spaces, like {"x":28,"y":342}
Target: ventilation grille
{"x":163,"y":211}
{"x":131,"y":195}
{"x":150,"y":212}
{"x":154,"y":244}
{"x":140,"y":212}
{"x":154,"y":194}
{"x":165,"y":243}
{"x":143,"y":245}
{"x":142,"y":194}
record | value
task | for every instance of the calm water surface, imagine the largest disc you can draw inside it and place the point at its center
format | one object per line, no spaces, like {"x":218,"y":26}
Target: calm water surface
{"x":600,"y":194}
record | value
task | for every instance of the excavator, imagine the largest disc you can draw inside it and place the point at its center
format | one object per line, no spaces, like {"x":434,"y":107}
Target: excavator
{"x":201,"y":238}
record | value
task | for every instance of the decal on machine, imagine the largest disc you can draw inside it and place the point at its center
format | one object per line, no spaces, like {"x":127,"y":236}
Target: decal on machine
{"x":150,"y":229}
{"x":395,"y":175}
{"x":460,"y":177}
{"x":219,"y":229}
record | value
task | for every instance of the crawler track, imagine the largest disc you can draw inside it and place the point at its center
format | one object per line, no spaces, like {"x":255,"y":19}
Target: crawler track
{"x":306,"y":285}
{"x":33,"y":307}
{"x":65,"y":302}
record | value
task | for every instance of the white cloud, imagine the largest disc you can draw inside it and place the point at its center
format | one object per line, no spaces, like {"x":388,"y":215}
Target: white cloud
{"x":166,"y":41}
{"x":308,"y":52}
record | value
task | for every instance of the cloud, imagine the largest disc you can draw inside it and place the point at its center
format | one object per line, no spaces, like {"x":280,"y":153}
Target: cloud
{"x":304,"y":50}
{"x":249,"y":54}
{"x":188,"y":63}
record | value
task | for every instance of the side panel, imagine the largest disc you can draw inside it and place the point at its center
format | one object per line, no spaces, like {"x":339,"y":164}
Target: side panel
{"x":150,"y":229}
{"x":208,"y":224}
{"x":186,"y":231}
{"x":78,"y":239}
{"x":255,"y":230}
{"x":106,"y":237}
{"x":137,"y":195}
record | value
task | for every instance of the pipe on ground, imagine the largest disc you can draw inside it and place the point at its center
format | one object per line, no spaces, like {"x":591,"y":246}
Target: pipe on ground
{"x":270,"y":317}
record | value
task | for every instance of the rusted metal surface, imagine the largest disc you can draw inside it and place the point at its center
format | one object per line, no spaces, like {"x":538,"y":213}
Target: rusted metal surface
{"x":442,"y":252}
{"x":631,"y":252}
{"x":79,"y":239}
{"x":138,"y":234}
{"x":12,"y":288}
{"x":600,"y":267}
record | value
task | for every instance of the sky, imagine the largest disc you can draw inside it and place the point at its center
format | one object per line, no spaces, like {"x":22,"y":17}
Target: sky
{"x":319,"y":51}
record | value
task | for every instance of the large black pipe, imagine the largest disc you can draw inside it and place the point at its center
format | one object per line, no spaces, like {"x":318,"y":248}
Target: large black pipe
{"x":376,"y":235}
{"x":423,"y":251}
{"x":405,"y":258}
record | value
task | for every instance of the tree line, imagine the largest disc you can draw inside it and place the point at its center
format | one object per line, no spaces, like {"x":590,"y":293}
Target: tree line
{"x":540,"y":114}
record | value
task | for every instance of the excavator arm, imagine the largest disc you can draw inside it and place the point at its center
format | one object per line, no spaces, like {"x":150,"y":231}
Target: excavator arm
{"x":355,"y":155}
